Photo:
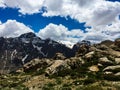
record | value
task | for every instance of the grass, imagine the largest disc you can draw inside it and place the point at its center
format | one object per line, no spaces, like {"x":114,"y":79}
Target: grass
{"x":61,"y":83}
{"x":11,"y":81}
{"x":90,"y":87}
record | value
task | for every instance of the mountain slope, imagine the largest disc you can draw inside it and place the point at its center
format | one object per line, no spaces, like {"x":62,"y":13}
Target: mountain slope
{"x":14,"y":52}
{"x":94,"y":67}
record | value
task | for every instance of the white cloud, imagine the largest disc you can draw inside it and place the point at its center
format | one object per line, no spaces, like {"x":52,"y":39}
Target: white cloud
{"x":88,"y":11}
{"x":12,"y":28}
{"x":2,"y":3}
{"x":84,"y":3}
{"x":95,"y":37}
{"x":25,"y":6}
{"x":60,"y":33}
{"x":0,"y":22}
{"x":95,"y":13}
{"x":108,"y":32}
{"x":113,"y":30}
{"x":104,"y":14}
{"x":53,"y":31}
{"x":53,"y":5}
{"x":100,"y":15}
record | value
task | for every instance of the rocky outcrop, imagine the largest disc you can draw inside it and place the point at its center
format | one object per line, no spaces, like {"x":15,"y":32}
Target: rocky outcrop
{"x":82,"y":47}
{"x":15,"y":52}
{"x":117,"y":60}
{"x":117,"y":42}
{"x":37,"y":64}
{"x":75,"y":62}
{"x":59,"y":56}
{"x":94,"y":68}
{"x":89,"y":55}
{"x":104,"y":61}
{"x":112,"y":73}
{"x":56,"y":67}
{"x":107,"y":43}
{"x":112,"y":68}
{"x":32,"y":54}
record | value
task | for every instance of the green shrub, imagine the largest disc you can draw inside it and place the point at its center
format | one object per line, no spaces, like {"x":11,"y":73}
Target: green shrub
{"x":89,"y":81}
{"x":65,"y":88}
{"x":78,"y":82}
{"x":111,"y":77}
{"x":88,"y":87}
{"x":58,"y":80}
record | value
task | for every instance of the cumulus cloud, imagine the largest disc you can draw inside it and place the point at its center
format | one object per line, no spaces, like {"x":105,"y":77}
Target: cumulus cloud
{"x":12,"y":28}
{"x":100,"y":15}
{"x":108,"y":32}
{"x":95,"y":37}
{"x":53,"y":5}
{"x":94,"y":12}
{"x":2,"y":3}
{"x":104,"y":14}
{"x":88,"y":11}
{"x":60,"y":33}
{"x":24,"y":6}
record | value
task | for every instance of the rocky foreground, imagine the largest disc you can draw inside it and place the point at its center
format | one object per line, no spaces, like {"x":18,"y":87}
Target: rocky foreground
{"x":94,"y":67}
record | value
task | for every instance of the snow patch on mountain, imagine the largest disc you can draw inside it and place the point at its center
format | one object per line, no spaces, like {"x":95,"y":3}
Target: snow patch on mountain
{"x":67,"y":44}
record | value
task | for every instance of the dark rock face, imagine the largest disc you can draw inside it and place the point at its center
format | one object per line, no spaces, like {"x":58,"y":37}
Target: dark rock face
{"x":82,"y":47}
{"x":117,"y":42}
{"x":107,"y":42}
{"x":14,"y":52}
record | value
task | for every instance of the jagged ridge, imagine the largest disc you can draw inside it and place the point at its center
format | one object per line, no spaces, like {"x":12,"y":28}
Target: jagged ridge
{"x":14,"y":52}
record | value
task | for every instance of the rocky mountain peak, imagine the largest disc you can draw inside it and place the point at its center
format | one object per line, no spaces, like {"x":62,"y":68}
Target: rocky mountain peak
{"x":28,"y":35}
{"x":20,"y":50}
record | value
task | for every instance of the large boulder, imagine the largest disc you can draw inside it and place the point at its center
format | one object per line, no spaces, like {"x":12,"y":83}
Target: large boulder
{"x":56,"y":67}
{"x":114,"y":47}
{"x":114,"y":53}
{"x":102,"y":47}
{"x":112,"y":73}
{"x":89,"y":55}
{"x":36,"y":64}
{"x":105,"y":61}
{"x":75,"y":62}
{"x":114,"y":69}
{"x":59,"y":56}
{"x":117,"y":74}
{"x":82,"y":47}
{"x":94,"y":68}
{"x":117,"y":60}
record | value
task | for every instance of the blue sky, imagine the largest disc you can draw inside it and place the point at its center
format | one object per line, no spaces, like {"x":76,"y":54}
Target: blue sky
{"x":38,"y":21}
{"x":66,"y":20}
{"x":114,"y":0}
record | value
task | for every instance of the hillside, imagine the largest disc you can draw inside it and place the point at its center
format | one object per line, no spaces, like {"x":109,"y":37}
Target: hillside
{"x":15,"y":52}
{"x":93,"y":67}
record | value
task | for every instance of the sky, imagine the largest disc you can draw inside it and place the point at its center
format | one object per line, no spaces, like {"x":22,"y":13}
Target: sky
{"x":68,"y":21}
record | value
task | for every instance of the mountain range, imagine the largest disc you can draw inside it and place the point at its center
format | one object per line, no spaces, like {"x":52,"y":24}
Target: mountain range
{"x":30,"y":63}
{"x":14,"y":52}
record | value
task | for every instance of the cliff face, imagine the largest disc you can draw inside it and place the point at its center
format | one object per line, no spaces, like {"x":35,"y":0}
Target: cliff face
{"x":15,"y":52}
